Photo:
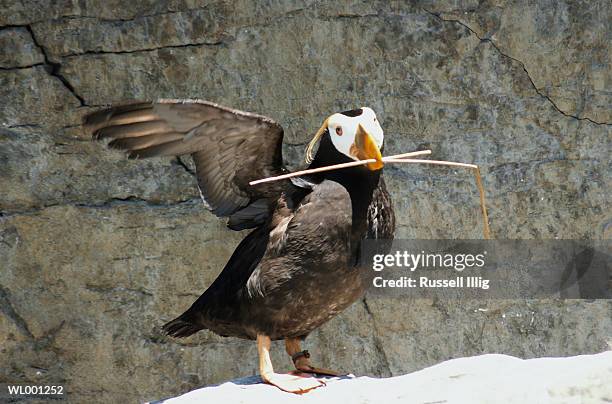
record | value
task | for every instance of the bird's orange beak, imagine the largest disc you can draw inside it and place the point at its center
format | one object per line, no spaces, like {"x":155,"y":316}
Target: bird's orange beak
{"x":367,"y":149}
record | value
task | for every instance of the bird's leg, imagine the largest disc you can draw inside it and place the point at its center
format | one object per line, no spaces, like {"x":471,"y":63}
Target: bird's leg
{"x":301,"y":359}
{"x":290,"y":383}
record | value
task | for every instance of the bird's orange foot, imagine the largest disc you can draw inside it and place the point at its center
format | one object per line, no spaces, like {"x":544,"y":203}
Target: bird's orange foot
{"x":319,"y":371}
{"x":301,"y":360}
{"x":293,"y":383}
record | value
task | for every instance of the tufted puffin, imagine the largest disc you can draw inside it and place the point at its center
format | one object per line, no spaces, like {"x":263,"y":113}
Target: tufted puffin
{"x":299,"y":265}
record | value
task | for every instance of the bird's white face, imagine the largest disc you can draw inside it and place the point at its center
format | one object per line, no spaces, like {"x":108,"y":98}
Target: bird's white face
{"x":356,"y":134}
{"x":343,"y":131}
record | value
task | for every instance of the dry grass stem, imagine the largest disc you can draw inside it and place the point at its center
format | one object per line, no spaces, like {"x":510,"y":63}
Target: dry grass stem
{"x":337,"y":167}
{"x":400,"y":158}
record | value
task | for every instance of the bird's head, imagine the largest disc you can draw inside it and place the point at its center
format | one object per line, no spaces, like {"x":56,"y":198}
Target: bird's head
{"x":356,"y":134}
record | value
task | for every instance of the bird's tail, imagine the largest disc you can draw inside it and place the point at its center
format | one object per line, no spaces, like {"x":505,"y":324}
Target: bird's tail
{"x":181,"y":327}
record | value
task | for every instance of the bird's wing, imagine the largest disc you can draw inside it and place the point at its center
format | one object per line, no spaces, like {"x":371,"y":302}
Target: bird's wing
{"x":229,"y":149}
{"x":316,"y":234}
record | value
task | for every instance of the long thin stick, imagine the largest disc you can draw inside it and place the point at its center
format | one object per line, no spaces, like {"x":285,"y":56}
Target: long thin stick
{"x":338,"y":166}
{"x":409,"y":154}
{"x":435,"y":162}
{"x":401,"y":158}
{"x":486,"y":231}
{"x":485,"y":217}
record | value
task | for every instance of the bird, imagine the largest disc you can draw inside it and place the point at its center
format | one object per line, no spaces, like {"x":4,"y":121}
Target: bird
{"x":299,"y":265}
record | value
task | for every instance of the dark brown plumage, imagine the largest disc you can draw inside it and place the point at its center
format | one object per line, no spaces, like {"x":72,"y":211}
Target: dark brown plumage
{"x":300,"y":265}
{"x":228,"y":147}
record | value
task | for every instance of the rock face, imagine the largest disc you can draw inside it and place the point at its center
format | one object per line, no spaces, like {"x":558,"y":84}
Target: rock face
{"x":96,"y":251}
{"x":478,"y":379}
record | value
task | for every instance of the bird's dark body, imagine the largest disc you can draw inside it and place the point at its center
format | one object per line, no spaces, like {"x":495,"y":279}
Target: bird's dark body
{"x":300,"y":268}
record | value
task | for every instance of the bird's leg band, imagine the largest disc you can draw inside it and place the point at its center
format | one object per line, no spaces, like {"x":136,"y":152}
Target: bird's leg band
{"x":301,"y":358}
{"x":299,"y":355}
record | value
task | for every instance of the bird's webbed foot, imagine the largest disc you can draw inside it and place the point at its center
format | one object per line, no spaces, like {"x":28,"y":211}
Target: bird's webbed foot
{"x":292,"y":383}
{"x":301,"y":359}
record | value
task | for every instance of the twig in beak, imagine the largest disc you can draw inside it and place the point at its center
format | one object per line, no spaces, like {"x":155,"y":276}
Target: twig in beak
{"x":338,"y":166}
{"x":485,"y":217}
{"x":435,"y":162}
{"x":399,"y":158}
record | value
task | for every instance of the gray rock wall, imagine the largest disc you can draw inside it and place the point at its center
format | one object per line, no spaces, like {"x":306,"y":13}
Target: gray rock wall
{"x":96,"y":251}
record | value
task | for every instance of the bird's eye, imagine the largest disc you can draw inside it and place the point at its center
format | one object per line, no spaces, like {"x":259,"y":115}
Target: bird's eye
{"x":339,"y":130}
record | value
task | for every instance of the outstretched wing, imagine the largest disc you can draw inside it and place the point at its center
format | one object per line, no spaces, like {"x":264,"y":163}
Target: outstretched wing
{"x":229,"y":149}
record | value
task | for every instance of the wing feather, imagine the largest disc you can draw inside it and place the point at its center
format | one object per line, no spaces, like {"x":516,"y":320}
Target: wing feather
{"x":141,"y":142}
{"x":229,"y":147}
{"x":133,"y":130}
